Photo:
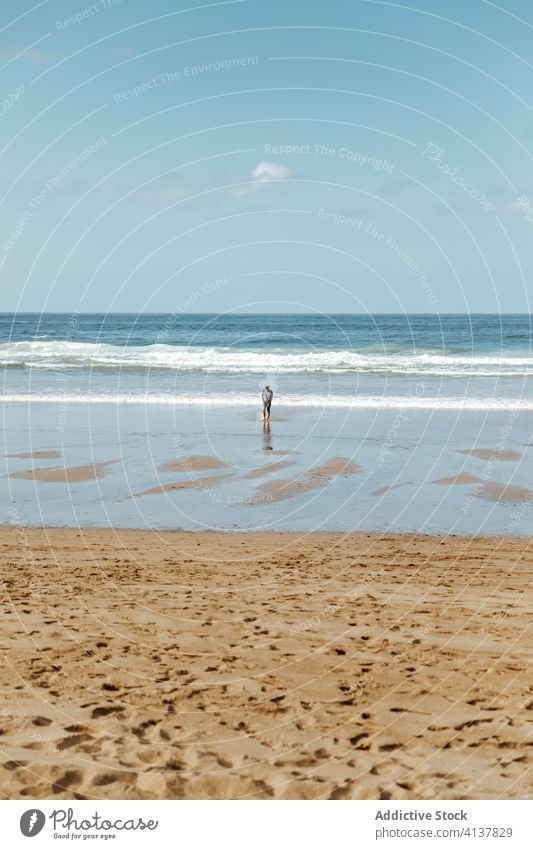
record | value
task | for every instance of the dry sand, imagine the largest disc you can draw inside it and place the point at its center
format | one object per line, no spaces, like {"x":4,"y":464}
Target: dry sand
{"x":171,"y":665}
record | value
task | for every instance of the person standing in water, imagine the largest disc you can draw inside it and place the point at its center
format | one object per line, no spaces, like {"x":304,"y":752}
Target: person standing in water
{"x":267,"y":396}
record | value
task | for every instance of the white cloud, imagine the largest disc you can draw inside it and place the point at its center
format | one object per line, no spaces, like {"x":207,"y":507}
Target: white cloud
{"x":262,"y":175}
{"x":267,"y":171}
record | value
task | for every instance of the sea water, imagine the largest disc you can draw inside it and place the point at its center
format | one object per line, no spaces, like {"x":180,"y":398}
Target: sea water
{"x":401,"y":395}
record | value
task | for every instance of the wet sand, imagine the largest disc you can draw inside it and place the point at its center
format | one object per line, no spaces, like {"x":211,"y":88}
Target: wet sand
{"x":37,"y":455}
{"x":145,"y":665}
{"x":317,"y":477}
{"x":190,"y":483}
{"x":382,"y":490}
{"x":458,"y":479}
{"x":491,"y":454}
{"x":488,"y":490}
{"x":499,"y":492}
{"x":268,"y":468}
{"x":198,"y":463}
{"x":72,"y":474}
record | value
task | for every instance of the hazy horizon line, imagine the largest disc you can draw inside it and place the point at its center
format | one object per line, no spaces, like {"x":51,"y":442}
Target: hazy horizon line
{"x":230,"y":312}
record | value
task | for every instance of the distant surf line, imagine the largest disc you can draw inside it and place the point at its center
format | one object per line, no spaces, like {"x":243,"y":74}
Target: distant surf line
{"x":360,"y":402}
{"x":60,"y":355}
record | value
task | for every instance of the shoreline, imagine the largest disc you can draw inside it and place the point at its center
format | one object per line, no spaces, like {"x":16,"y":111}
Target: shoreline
{"x":179,"y":665}
{"x":378,"y":535}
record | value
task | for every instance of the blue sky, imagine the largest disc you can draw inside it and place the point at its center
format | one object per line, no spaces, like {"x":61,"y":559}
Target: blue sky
{"x":348,"y":156}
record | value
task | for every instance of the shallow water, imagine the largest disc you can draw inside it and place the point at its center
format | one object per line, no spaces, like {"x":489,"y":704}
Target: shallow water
{"x":402,"y":396}
{"x":400,"y":454}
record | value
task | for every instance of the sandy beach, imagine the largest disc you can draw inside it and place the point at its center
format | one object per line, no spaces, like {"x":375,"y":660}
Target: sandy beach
{"x":143,"y":665}
{"x":266,"y":349}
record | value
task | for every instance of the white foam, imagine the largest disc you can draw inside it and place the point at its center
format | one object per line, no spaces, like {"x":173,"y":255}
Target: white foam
{"x":62,"y":354}
{"x":361,"y":402}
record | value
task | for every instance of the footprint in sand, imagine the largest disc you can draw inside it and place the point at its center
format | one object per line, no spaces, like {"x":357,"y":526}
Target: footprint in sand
{"x":66,"y":780}
{"x":105,"y":711}
{"x":74,"y":740}
{"x":106,"y":778}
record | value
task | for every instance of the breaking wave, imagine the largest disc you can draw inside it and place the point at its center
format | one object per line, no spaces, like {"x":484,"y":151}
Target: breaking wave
{"x":61,"y":355}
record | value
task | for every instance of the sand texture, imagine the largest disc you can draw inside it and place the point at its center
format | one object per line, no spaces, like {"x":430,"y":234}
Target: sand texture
{"x":143,"y":665}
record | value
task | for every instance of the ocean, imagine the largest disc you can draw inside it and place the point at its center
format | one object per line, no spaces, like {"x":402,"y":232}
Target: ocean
{"x":480,"y":362}
{"x":402,"y":395}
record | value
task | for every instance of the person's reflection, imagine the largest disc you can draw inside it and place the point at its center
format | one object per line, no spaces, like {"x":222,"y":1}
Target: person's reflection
{"x":267,"y":436}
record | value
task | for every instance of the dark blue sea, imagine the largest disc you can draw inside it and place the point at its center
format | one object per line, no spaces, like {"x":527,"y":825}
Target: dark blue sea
{"x":339,"y":361}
